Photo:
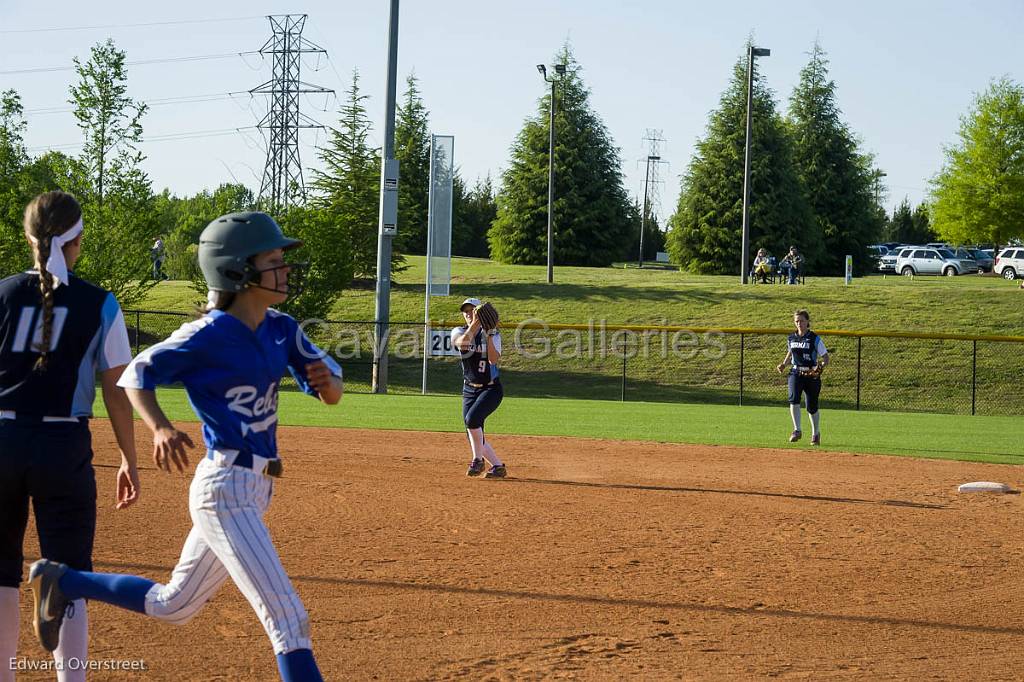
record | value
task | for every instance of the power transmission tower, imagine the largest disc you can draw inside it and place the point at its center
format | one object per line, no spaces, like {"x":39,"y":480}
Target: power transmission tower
{"x":651,"y":183}
{"x":282,"y":175}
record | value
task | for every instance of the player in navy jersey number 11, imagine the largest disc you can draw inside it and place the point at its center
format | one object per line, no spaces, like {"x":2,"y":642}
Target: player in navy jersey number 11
{"x":56,"y":332}
{"x":808,"y":355}
{"x":482,"y":392}
{"x":230,"y":362}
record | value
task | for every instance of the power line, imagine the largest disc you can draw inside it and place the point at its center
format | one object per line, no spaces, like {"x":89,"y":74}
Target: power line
{"x":48,"y":69}
{"x":106,"y":26}
{"x":190,"y":135}
{"x":163,"y":101}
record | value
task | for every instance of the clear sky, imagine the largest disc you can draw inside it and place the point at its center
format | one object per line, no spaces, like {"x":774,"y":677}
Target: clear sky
{"x":906,"y":70}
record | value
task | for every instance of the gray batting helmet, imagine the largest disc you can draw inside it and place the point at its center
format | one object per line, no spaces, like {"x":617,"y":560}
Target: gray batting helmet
{"x":227,"y":244}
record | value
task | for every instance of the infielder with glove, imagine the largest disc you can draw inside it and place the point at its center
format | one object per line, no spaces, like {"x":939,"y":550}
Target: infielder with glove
{"x":809,"y":357}
{"x":231,"y":362}
{"x":479,"y":344}
{"x":56,"y":332}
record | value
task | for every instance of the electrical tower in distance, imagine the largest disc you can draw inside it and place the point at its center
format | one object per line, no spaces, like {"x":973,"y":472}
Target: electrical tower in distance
{"x":282,"y":175}
{"x":653,"y":139}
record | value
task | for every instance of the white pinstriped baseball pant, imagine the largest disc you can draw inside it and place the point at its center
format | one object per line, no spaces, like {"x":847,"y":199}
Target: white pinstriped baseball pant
{"x":229,"y":538}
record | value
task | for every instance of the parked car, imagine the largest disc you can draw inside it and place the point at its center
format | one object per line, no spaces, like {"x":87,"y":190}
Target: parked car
{"x":887,"y":263}
{"x":964,"y":254}
{"x":931,"y":261}
{"x":1010,"y":263}
{"x":984,"y":259}
{"x":875,"y":253}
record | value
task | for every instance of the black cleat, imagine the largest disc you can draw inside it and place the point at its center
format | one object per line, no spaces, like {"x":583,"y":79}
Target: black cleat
{"x":795,"y":436}
{"x":498,"y":471}
{"x":49,"y":602}
{"x":476,"y":467}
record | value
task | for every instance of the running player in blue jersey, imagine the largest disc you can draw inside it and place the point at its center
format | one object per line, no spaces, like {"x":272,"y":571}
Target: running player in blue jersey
{"x":481,"y":389}
{"x":231,"y":362}
{"x":56,"y":332}
{"x":808,"y":354}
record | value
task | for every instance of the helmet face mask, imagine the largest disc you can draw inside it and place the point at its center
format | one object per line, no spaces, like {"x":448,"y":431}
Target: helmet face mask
{"x":292,"y":282}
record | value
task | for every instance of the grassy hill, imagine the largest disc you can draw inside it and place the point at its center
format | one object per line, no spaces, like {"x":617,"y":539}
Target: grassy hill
{"x":894,"y":374}
{"x":962,"y":305}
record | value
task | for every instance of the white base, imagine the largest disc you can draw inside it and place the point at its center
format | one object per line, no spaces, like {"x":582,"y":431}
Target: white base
{"x":984,"y":487}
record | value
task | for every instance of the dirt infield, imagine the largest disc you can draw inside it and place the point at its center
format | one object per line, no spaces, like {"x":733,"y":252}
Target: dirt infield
{"x":597,"y":560}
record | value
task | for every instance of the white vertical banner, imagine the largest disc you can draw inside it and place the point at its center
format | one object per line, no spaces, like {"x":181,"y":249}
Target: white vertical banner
{"x":439,"y":233}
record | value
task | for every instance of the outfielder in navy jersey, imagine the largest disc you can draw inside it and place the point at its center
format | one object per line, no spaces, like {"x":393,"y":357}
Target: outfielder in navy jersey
{"x":481,"y":388}
{"x":231,"y":362}
{"x":808,"y":354}
{"x":56,"y":332}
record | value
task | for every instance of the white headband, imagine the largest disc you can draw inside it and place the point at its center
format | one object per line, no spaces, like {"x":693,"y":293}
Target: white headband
{"x":55,"y":264}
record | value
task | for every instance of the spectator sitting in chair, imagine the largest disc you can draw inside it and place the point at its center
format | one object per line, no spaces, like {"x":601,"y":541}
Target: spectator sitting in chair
{"x":791,"y":264}
{"x":762,"y":266}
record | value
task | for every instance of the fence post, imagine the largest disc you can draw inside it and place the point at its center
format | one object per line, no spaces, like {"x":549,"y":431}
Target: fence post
{"x":622,"y":397}
{"x":974,"y":374}
{"x":138,"y":324}
{"x":858,"y":372}
{"x":741,"y":367}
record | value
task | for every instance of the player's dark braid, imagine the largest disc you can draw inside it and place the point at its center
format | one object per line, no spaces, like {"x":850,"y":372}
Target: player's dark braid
{"x":48,"y":215}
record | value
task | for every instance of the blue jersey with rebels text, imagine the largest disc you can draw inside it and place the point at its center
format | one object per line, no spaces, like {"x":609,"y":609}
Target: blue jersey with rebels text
{"x":475,"y":367}
{"x":806,"y":350}
{"x":231,"y":375}
{"x":87,"y":335}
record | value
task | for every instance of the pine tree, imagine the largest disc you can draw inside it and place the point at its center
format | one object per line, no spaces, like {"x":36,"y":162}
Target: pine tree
{"x":908,"y":226}
{"x":592,"y":223}
{"x":705,"y":232}
{"x":412,"y":149}
{"x":474,"y":211}
{"x":839,"y":179}
{"x":923,"y":232}
{"x":348,"y":189}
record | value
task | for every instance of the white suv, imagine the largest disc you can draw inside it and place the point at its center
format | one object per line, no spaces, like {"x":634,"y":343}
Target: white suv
{"x":930,"y":261}
{"x":1010,"y":263}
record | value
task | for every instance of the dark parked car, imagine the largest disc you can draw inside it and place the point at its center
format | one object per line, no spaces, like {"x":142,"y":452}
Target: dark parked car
{"x":984,"y":259}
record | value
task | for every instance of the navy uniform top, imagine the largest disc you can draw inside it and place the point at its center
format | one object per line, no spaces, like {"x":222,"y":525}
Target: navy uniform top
{"x":475,"y":367}
{"x":231,"y":375}
{"x":88,"y":334}
{"x":806,"y":350}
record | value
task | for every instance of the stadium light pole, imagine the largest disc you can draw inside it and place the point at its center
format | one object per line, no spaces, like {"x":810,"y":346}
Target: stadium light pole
{"x":388,"y":215}
{"x":559,"y":71}
{"x":745,"y":248}
{"x":879,"y":174}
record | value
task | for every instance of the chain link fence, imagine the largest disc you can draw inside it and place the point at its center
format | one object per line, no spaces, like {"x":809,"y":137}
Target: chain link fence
{"x":896,"y":372}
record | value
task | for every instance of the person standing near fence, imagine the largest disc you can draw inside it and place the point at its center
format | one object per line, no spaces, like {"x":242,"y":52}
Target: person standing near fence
{"x":156,"y":254}
{"x":809,"y":356}
{"x":480,"y":350}
{"x":56,"y":332}
{"x":231,"y":362}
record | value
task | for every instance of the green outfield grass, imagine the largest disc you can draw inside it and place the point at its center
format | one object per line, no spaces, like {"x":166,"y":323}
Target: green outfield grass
{"x":963,"y":305}
{"x":978,"y":439}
